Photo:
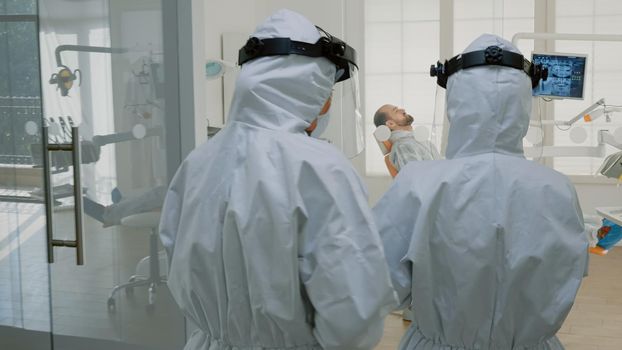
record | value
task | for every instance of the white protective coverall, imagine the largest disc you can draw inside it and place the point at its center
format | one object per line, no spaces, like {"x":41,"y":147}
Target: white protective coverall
{"x":488,"y":247}
{"x":270,"y":237}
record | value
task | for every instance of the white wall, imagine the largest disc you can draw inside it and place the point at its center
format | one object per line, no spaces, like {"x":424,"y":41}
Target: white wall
{"x":221,"y":16}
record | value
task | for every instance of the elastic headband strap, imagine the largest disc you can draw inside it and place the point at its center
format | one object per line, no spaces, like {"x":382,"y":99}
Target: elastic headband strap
{"x":277,"y":46}
{"x":490,"y":56}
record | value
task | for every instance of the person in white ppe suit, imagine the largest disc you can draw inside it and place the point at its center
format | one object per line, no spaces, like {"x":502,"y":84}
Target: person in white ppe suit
{"x":488,"y":247}
{"x":270,"y":238}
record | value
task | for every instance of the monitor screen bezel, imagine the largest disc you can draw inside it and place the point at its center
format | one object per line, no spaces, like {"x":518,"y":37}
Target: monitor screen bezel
{"x":563,"y":54}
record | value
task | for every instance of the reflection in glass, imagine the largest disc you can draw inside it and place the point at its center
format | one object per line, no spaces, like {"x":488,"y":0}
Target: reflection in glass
{"x":24,"y":273}
{"x":18,"y":7}
{"x":105,"y":75}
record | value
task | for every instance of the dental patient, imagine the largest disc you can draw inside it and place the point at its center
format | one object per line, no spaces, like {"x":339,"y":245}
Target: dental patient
{"x":405,"y":147}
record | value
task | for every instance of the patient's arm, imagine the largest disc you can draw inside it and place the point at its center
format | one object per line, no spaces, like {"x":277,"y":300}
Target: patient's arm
{"x":112,"y":214}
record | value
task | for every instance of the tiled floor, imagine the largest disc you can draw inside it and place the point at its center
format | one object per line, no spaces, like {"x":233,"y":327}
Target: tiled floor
{"x":595,"y":322}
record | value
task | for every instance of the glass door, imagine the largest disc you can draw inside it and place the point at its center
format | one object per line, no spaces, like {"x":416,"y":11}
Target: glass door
{"x":104,"y":100}
{"x":24,"y":271}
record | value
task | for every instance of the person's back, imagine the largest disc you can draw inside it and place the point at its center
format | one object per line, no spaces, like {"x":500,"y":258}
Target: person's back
{"x":271,"y":241}
{"x":491,"y":250}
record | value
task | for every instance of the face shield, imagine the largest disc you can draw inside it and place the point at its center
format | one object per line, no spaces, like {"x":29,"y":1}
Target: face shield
{"x":343,"y":124}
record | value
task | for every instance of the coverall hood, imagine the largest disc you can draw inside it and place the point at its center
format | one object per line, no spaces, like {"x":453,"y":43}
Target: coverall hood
{"x":488,"y":107}
{"x":283,"y":92}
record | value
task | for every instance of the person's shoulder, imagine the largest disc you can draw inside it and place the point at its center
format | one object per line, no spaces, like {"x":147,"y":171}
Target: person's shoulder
{"x":538,"y":181}
{"x":322,"y":159}
{"x":197,"y":160}
{"x":214,"y":158}
{"x":209,"y":146}
{"x":424,"y":175}
{"x":329,"y":164}
{"x":319,"y":153}
{"x":422,"y":167}
{"x":542,"y":174}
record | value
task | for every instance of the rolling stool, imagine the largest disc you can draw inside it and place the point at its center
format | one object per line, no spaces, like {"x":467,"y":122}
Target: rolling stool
{"x":153,"y":279}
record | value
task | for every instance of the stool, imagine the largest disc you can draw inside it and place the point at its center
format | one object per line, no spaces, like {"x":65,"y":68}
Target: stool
{"x":143,"y":220}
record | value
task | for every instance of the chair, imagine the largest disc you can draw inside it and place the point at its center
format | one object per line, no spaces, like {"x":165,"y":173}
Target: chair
{"x":382,"y":135}
{"x":153,"y":278}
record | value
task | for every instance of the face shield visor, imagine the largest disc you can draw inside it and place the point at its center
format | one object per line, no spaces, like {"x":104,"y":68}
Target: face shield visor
{"x":345,"y":127}
{"x":343,"y":124}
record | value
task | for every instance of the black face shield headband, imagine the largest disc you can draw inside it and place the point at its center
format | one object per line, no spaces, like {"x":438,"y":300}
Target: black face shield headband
{"x":328,"y":46}
{"x":493,"y":55}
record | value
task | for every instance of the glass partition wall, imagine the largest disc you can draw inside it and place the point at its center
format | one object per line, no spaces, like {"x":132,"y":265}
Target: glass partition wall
{"x":24,"y":271}
{"x":89,"y":114}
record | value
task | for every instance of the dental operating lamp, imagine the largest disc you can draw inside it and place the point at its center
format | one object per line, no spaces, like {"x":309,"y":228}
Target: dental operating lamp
{"x":65,"y":77}
{"x":605,"y":137}
{"x":585,"y":114}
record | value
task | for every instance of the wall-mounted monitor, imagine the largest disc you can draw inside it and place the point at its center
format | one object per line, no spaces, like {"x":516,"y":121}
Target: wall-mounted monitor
{"x":566,"y":75}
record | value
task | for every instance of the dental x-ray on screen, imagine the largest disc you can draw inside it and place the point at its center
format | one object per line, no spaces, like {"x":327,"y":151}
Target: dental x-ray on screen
{"x":566,"y":75}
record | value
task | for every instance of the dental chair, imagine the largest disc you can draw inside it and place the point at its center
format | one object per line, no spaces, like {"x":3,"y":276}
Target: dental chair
{"x":382,"y":134}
